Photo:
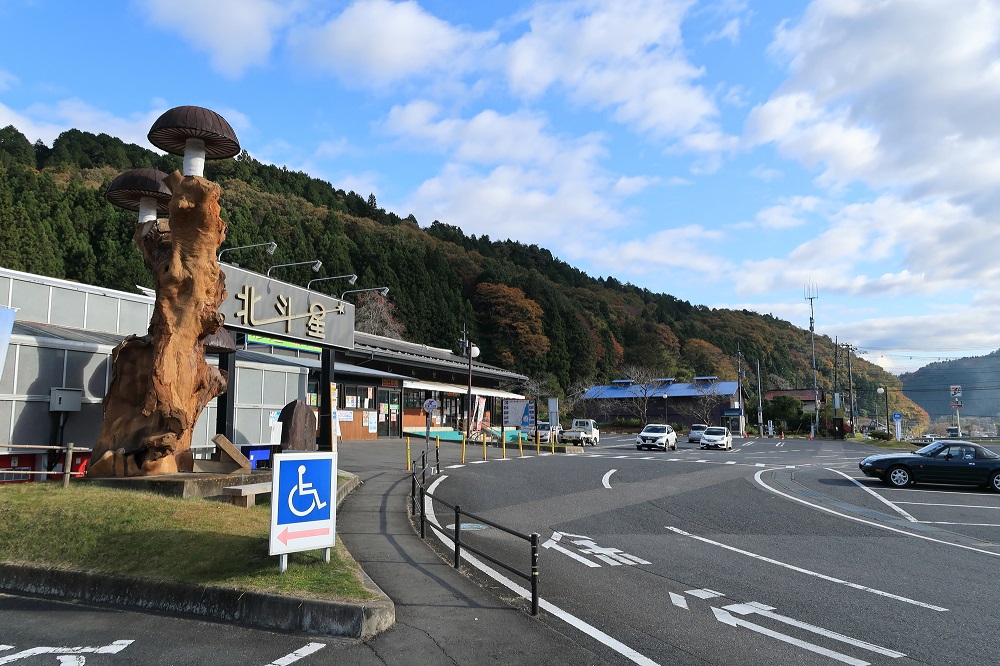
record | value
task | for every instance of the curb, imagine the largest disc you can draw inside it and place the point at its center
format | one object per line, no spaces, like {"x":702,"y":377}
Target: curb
{"x":252,"y":609}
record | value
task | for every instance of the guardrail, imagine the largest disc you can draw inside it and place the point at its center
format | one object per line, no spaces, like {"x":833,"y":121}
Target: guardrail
{"x":67,"y":460}
{"x":419,"y":491}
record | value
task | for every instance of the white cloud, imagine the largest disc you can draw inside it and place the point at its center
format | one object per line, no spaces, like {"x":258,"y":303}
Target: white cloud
{"x":788,"y":214}
{"x":236,"y":34}
{"x":48,"y":121}
{"x":378,"y":42}
{"x":624,"y":55}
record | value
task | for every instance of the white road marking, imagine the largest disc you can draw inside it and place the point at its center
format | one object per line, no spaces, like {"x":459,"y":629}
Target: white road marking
{"x":943,"y":522}
{"x":816,"y":574}
{"x":480,"y":462}
{"x":298,"y":654}
{"x":725,"y":617}
{"x":704,"y":593}
{"x":875,"y":495}
{"x":760,"y":465}
{"x":960,"y":506}
{"x":454,"y":466}
{"x":6,"y":647}
{"x":678,"y":600}
{"x":566,"y":617}
{"x":730,"y":462}
{"x":607,"y":479}
{"x":766,"y":611}
{"x":113,"y":648}
{"x":856,"y":519}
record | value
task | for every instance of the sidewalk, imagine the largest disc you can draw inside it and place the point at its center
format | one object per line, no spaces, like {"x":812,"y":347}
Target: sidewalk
{"x":442,"y":617}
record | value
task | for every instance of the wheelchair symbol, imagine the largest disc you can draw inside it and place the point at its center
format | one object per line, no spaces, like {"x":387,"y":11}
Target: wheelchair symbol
{"x":303,"y":489}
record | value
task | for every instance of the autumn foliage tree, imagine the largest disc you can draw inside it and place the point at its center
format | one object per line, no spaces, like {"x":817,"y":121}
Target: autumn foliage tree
{"x":510,"y":326}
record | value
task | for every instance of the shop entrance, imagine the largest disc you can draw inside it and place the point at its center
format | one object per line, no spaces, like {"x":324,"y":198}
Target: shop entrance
{"x":390,"y":419}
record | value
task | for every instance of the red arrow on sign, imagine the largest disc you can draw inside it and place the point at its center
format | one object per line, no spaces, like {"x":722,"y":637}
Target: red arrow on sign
{"x":287,"y":536}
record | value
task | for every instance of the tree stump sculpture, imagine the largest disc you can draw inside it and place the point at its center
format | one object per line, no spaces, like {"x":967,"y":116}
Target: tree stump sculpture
{"x":161,"y":382}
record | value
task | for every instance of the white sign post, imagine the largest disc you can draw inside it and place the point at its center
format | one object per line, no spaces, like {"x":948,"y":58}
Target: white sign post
{"x":303,"y":504}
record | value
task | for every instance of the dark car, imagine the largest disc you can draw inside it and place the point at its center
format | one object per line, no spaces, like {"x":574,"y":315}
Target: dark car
{"x":944,"y":461}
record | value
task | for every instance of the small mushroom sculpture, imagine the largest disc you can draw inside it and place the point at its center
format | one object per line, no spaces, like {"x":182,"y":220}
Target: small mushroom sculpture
{"x":141,"y":190}
{"x":195,"y":133}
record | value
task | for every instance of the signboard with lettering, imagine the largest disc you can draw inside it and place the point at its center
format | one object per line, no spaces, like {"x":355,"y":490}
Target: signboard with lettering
{"x":266,"y":306}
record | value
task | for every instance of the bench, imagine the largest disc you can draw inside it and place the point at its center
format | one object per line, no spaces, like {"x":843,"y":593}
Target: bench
{"x":246,"y":495}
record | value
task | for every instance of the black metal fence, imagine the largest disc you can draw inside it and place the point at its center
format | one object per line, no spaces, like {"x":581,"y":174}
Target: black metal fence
{"x":418,"y":502}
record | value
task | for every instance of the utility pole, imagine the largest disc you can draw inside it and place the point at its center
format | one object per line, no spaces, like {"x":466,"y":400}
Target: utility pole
{"x":760,"y":405}
{"x":851,"y":350}
{"x":811,"y":293}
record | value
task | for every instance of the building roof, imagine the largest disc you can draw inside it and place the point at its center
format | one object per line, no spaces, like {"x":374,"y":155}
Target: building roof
{"x":619,"y":391}
{"x":805,"y":395}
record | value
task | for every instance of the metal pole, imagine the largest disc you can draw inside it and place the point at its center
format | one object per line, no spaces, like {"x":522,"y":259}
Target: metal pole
{"x":534,"y":573}
{"x":423,"y":517}
{"x":887,"y":413}
{"x":458,"y":535}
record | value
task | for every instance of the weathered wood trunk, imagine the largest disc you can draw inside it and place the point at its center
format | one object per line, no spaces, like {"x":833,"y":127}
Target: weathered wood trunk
{"x":160,"y":382}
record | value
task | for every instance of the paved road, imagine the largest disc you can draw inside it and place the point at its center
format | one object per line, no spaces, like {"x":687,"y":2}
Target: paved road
{"x":777,"y":552}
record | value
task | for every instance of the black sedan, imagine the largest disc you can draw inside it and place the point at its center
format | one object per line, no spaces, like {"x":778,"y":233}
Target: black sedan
{"x":944,"y":461}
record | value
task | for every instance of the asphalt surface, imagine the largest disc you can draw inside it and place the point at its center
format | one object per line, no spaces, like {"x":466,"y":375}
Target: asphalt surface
{"x":442,"y":616}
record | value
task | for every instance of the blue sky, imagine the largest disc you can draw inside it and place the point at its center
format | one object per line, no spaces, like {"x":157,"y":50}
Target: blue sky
{"x":727,"y":152}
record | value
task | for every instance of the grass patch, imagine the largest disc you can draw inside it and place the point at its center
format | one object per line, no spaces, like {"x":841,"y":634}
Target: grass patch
{"x":150,"y":536}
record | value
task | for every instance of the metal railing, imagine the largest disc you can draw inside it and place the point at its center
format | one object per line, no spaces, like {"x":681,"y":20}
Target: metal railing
{"x":419,"y":491}
{"x":67,"y":470}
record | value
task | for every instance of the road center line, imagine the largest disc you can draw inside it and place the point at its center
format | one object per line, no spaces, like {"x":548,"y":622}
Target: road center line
{"x":607,"y":479}
{"x":816,"y":574}
{"x":875,"y":495}
{"x":569,"y":619}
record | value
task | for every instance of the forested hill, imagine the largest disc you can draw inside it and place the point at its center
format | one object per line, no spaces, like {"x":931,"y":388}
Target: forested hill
{"x":527,"y":310}
{"x":930,"y":386}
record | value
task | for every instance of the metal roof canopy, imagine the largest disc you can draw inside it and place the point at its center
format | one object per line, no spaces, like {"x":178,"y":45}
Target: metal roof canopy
{"x":461,"y":390}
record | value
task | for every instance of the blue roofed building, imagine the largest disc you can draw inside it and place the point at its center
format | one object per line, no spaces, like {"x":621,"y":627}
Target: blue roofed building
{"x":664,"y":400}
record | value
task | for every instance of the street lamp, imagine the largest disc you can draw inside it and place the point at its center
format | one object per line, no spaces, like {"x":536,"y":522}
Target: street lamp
{"x":383,"y":290}
{"x":271,"y":247}
{"x":885,"y":391}
{"x":471,"y":352}
{"x":352,"y":278}
{"x":316,"y":265}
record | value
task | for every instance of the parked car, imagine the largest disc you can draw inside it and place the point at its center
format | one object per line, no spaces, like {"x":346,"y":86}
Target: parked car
{"x":656,"y":435}
{"x":697,"y":430}
{"x":717,"y":437}
{"x":547,"y":432}
{"x":583,"y":432}
{"x":944,"y":461}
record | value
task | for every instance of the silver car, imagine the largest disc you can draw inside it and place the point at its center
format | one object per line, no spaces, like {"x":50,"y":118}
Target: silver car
{"x":696,"y":432}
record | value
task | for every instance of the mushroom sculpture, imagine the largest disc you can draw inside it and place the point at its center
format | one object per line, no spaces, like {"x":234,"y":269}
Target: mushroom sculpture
{"x":160,"y":381}
{"x":140,"y":190}
{"x":195,"y":133}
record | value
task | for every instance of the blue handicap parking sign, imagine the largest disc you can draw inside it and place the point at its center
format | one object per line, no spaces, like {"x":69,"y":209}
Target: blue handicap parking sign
{"x":304,"y":491}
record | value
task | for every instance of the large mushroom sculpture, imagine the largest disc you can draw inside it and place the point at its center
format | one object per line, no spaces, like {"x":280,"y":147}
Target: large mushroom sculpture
{"x":195,"y":133}
{"x":160,"y":381}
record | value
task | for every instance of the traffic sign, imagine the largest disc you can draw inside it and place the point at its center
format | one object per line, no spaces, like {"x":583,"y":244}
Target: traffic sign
{"x":303,"y":501}
{"x":956,"y":391}
{"x":897,"y":416}
{"x":430,"y":405}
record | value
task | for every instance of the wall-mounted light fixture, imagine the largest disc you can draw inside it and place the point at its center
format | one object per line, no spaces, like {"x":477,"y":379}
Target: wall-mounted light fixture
{"x":351,"y":279}
{"x":271,"y":247}
{"x":383,"y":290}
{"x":316,"y":265}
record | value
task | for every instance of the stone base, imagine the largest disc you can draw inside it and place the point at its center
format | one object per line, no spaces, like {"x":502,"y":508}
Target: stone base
{"x":570,"y":448}
{"x":183,"y":484}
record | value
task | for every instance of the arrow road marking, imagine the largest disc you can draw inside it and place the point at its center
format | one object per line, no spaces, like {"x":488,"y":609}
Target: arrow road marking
{"x":113,"y":648}
{"x":848,"y":583}
{"x":287,"y":536}
{"x":726,"y":618}
{"x":761,"y":609}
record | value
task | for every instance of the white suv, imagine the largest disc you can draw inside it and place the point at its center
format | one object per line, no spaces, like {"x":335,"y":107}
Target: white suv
{"x":657,"y":435}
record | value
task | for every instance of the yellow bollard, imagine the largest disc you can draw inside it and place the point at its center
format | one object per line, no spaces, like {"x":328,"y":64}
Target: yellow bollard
{"x":407,"y":454}
{"x":503,"y":448}
{"x":552,"y":441}
{"x":484,"y":446}
{"x":520,"y":447}
{"x":437,"y":449}
{"x":463,"y":448}
{"x":538,"y":443}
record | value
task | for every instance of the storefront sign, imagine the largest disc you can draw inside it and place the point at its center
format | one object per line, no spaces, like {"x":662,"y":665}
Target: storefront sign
{"x":262,"y":305}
